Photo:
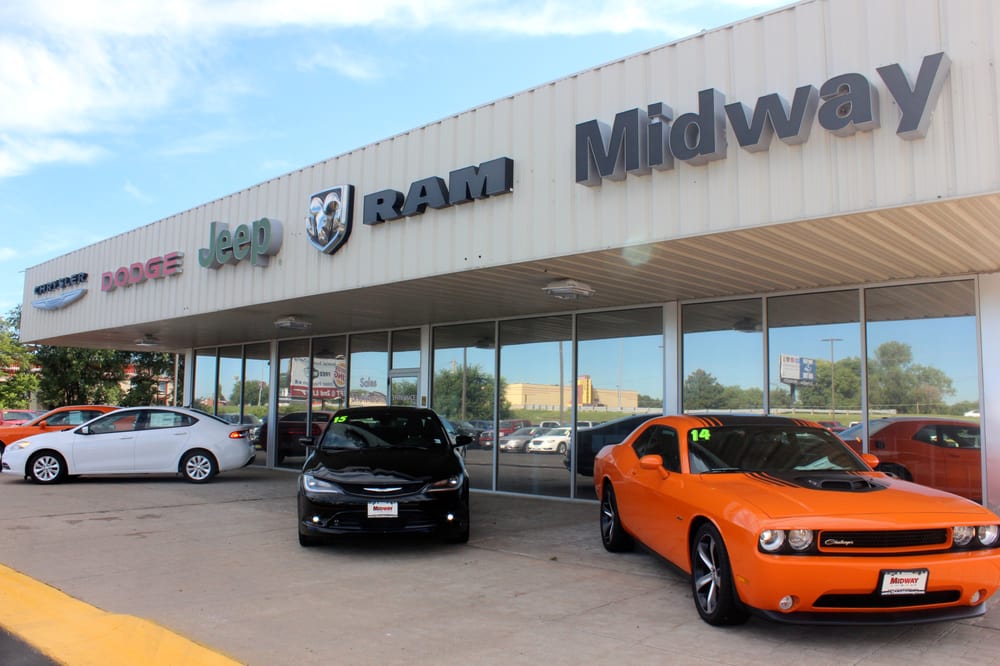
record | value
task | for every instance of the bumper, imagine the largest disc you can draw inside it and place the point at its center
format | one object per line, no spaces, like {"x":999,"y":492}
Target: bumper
{"x":345,"y":514}
{"x":845,"y":590}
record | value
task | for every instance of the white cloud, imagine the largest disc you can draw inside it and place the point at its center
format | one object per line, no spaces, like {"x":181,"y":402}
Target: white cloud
{"x":20,"y":154}
{"x":98,"y":67}
{"x":135,"y":192}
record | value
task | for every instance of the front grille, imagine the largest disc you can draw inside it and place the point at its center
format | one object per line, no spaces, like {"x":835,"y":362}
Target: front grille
{"x":366,"y":489}
{"x":834,"y":541}
{"x":883,"y":601}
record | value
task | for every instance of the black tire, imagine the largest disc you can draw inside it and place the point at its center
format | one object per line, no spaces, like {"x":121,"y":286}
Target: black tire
{"x":198,"y":466}
{"x":613,"y":535}
{"x":895,"y":470}
{"x":46,"y":467}
{"x":712,"y":580}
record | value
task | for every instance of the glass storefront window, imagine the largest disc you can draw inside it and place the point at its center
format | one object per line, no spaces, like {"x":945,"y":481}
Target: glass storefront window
{"x":923,"y":384}
{"x":814,"y":357}
{"x":723,"y":356}
{"x":294,"y":379}
{"x":463,"y":390}
{"x":256,"y":391}
{"x":369,"y":369}
{"x":329,"y":373}
{"x":536,"y":384}
{"x":620,"y":365}
{"x":205,"y":386}
{"x":230,"y":391}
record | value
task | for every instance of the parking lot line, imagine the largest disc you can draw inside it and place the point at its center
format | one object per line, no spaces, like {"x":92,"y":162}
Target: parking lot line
{"x":72,"y":632}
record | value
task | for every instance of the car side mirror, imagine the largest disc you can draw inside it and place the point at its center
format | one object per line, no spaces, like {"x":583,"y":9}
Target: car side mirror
{"x":870,"y":459}
{"x":462,"y":440}
{"x":654,"y":461}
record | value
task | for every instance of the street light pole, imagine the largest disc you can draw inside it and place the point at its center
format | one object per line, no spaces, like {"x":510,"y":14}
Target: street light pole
{"x":833,"y":394}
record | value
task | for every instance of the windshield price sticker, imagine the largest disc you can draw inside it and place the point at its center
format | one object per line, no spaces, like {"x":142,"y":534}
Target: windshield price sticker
{"x":383,"y":510}
{"x":904,"y":582}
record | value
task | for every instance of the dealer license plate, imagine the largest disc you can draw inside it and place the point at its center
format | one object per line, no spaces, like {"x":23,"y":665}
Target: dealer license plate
{"x":383,"y":509}
{"x":909,"y":581}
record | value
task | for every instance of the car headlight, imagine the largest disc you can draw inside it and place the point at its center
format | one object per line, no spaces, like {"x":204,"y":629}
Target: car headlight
{"x":312,"y":484}
{"x":988,"y":534}
{"x":962,"y":535}
{"x":786,"y":541}
{"x":21,"y":444}
{"x":771,"y":541}
{"x":800,"y":540}
{"x":451,"y":483}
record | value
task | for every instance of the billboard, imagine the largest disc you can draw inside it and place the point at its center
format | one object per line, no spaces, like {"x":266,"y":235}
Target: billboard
{"x":329,"y":377}
{"x":797,"y":370}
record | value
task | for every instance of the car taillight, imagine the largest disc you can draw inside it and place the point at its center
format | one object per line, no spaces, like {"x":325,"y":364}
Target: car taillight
{"x":238,"y":434}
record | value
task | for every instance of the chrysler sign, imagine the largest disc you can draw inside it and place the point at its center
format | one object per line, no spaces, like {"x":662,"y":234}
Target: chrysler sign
{"x":653,"y":137}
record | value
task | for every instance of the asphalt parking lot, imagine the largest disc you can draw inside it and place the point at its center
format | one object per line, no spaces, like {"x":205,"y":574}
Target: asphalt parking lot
{"x":219,"y":566}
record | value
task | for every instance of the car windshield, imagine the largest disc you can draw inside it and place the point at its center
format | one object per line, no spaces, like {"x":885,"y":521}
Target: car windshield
{"x":384,"y":431}
{"x":768,"y":449}
{"x":525,"y":432}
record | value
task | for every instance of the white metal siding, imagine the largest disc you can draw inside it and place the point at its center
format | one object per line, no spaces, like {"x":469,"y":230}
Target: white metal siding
{"x":548,"y":214}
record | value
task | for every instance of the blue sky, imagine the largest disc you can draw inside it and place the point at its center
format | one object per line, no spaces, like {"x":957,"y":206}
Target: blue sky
{"x":118,"y":114}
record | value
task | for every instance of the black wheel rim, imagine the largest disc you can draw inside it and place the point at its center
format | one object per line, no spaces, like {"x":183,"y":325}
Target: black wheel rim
{"x":609,"y":517}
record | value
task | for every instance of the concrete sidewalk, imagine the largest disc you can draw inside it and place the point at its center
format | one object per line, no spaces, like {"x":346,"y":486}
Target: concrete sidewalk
{"x":219,"y":566}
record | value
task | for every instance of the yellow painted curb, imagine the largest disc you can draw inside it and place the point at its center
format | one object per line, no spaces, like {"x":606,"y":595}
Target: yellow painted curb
{"x":75,"y":633}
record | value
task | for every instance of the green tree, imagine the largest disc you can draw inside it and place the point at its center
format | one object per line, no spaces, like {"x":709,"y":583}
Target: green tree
{"x":846,"y":385}
{"x":73,"y":376}
{"x":702,"y":391}
{"x":478,"y":394}
{"x":17,"y":363}
{"x":148,"y":367}
{"x":255,"y":392}
{"x":896,"y":382}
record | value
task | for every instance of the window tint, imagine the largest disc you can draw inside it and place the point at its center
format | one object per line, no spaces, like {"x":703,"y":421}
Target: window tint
{"x":116,"y":422}
{"x":661,"y":441}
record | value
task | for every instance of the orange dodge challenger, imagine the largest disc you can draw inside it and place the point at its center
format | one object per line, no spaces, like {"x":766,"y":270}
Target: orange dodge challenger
{"x":778,"y":517}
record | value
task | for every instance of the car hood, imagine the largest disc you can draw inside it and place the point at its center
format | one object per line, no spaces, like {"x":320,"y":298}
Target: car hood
{"x":852,"y":495}
{"x":382,"y":465}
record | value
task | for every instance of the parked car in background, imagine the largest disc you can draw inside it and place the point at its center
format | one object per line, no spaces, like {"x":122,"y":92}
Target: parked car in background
{"x":554,"y":440}
{"x":591,"y":440}
{"x":13,"y":417}
{"x":54,"y":420}
{"x":384,"y":470}
{"x":833,"y":426}
{"x":134,"y":440}
{"x":291,"y":429}
{"x":937,"y":452}
{"x":507,"y":426}
{"x":518,"y":440}
{"x":778,"y":517}
{"x":234,"y":417}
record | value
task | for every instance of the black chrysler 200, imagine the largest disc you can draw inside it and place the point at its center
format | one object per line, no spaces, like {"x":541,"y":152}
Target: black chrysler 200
{"x":384,"y":470}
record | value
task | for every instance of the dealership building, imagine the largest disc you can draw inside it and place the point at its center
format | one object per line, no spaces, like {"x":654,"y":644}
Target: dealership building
{"x":796,"y":212}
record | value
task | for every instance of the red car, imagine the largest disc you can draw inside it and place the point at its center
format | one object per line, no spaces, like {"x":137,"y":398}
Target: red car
{"x":941,"y":453}
{"x":13,"y":417}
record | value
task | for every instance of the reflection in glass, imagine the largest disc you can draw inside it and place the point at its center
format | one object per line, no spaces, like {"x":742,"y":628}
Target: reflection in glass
{"x":723,"y":356}
{"x":406,"y":348}
{"x":620,"y":365}
{"x":294,"y":380}
{"x":536,"y":383}
{"x":923,"y":365}
{"x":256,"y":391}
{"x":329,"y":373}
{"x":814,"y":356}
{"x":369,"y":369}
{"x":230,"y":392}
{"x":463,"y":390}
{"x":205,"y":384}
